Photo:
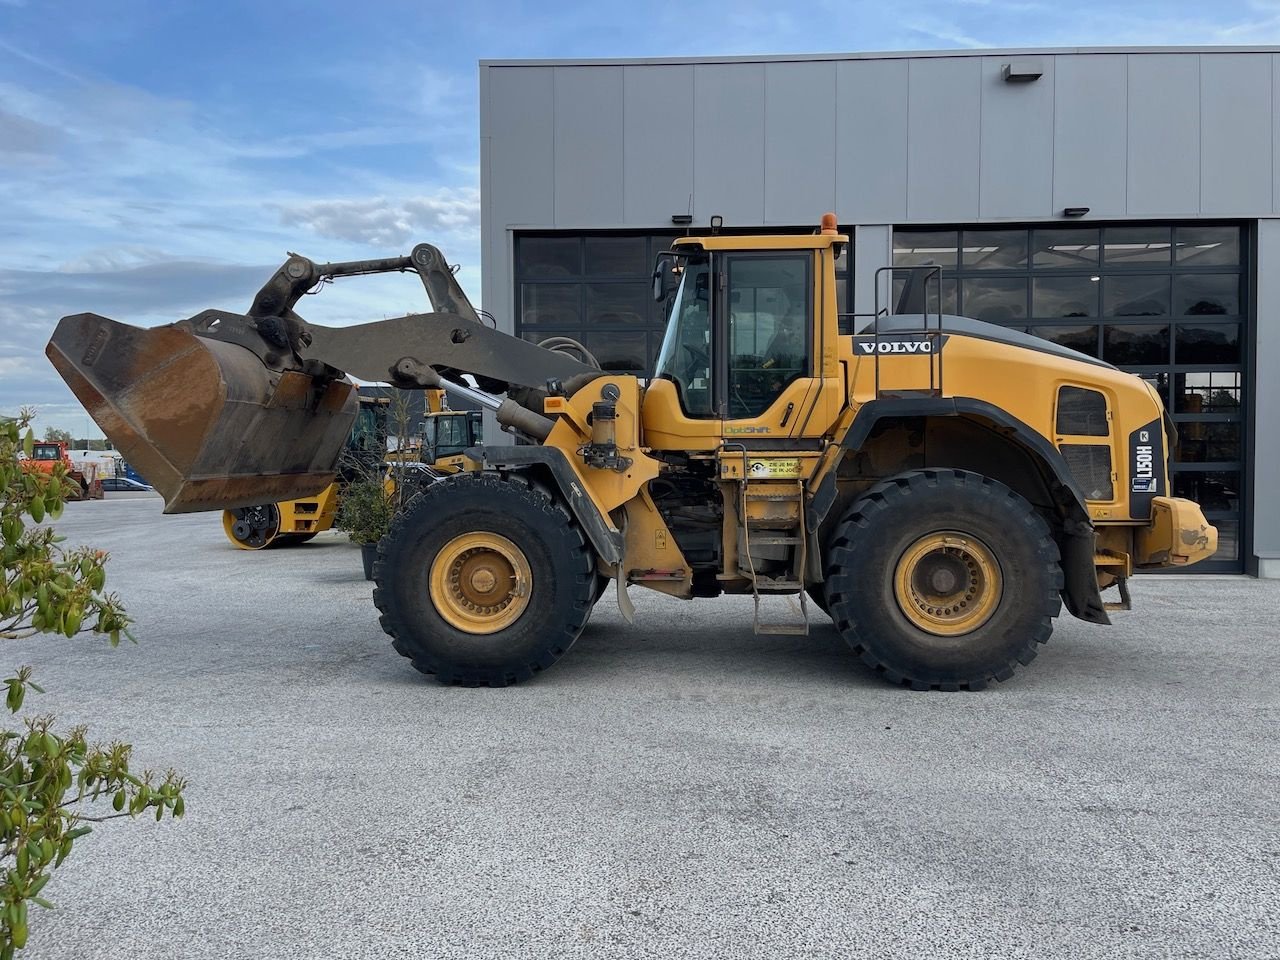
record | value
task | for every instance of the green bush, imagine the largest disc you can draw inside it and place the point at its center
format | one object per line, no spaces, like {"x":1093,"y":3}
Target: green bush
{"x":366,"y":510}
{"x":50,"y":779}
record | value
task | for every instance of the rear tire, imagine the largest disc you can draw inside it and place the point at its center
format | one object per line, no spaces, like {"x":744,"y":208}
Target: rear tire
{"x":441,"y":571}
{"x":943,"y":579}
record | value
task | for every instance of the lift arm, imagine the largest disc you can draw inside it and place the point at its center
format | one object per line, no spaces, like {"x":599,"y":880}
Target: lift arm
{"x":225,"y":410}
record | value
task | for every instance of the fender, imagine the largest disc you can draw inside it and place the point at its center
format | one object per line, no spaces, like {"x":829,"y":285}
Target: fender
{"x":1080,"y":590}
{"x":603,"y":536}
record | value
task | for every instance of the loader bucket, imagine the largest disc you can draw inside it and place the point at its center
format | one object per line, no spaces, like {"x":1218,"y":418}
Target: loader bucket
{"x":204,"y":421}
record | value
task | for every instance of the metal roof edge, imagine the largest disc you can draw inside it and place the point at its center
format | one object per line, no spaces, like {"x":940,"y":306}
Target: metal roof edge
{"x":874,"y":55}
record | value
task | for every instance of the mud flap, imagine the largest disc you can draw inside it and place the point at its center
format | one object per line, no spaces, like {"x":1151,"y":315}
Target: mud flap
{"x":1080,"y":590}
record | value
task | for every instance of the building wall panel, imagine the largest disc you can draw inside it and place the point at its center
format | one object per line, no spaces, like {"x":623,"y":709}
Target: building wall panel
{"x":728,"y":149}
{"x":800,"y":141}
{"x":1017,"y":143}
{"x":1235,"y":133}
{"x":871,"y":141}
{"x":657,"y":117}
{"x":1090,"y":134}
{"x":588,"y":146}
{"x":521,"y":146}
{"x":1164,"y":135}
{"x":943,"y":127}
{"x":1266,"y":449}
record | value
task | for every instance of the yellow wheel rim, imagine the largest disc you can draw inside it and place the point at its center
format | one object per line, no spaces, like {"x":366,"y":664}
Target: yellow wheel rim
{"x":948,"y":583}
{"x":254,"y":528}
{"x":480,"y":582}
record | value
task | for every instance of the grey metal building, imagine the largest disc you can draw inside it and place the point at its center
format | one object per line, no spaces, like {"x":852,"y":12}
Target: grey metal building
{"x":1125,"y":202}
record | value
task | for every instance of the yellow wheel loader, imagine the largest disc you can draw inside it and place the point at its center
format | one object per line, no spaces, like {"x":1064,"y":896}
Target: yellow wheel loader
{"x":293,"y":522}
{"x":442,"y":438}
{"x":940,"y":486}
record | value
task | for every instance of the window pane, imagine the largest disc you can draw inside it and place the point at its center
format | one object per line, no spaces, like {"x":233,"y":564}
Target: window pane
{"x":657,"y":243}
{"x":768,"y":329}
{"x":1212,"y":392}
{"x":1207,"y":343}
{"x":1211,"y":294}
{"x":994,"y":299}
{"x":1145,"y":246}
{"x":1161,"y":383}
{"x":994,"y":249}
{"x":1082,"y":338}
{"x":947,"y":285}
{"x":934,"y":246}
{"x":1064,"y":297}
{"x":842,"y":261}
{"x":1228,"y":539}
{"x":619,"y":351}
{"x":611,"y":304}
{"x":538,"y":257}
{"x":550,"y":303}
{"x":1208,"y":246}
{"x":1135,"y":296}
{"x":617,"y":257}
{"x":1065,"y":247}
{"x":1200,"y":442}
{"x":1134,"y":344}
{"x":1213,"y":491}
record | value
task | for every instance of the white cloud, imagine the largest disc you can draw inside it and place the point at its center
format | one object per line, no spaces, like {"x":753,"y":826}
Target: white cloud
{"x":379,"y":221}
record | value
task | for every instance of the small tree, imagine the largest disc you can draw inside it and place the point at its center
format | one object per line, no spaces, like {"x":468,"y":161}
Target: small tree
{"x":47,"y":778}
{"x":54,"y":435}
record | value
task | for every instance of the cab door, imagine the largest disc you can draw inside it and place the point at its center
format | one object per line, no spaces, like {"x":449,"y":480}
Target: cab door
{"x":765,"y":345}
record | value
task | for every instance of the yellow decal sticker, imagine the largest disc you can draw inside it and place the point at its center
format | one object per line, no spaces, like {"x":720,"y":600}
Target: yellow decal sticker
{"x":788,"y":467}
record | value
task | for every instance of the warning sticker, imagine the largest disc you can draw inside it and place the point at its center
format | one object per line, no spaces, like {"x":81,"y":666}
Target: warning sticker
{"x":774,"y":468}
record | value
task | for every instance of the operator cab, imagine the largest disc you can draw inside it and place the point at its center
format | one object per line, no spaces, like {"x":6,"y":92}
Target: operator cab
{"x":447,"y":433}
{"x":746,"y":328}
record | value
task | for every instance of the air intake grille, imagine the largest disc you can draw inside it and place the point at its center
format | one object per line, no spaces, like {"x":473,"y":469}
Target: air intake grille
{"x":1090,"y":464}
{"x":1082,"y":413}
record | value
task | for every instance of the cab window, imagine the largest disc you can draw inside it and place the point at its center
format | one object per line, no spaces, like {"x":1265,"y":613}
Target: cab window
{"x":769,"y":322}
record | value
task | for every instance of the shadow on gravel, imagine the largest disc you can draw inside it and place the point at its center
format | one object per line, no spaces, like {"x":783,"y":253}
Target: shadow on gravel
{"x":606,"y":654}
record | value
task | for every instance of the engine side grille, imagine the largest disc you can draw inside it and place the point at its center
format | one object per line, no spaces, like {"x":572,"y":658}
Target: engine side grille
{"x":1082,"y":413}
{"x":1090,"y":465}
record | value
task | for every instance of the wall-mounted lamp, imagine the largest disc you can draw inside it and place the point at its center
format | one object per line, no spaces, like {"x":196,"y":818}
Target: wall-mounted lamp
{"x":1021,"y":71}
{"x":682,"y":219}
{"x":1074,"y":211}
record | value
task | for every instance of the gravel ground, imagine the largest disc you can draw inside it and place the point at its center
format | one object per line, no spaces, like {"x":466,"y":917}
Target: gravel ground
{"x":674,"y":788}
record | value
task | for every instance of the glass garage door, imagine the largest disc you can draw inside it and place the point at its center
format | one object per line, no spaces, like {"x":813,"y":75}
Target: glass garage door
{"x":1165,"y":301}
{"x":595,"y":289}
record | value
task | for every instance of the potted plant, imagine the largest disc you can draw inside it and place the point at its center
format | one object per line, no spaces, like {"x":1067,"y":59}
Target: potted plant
{"x":365,"y":514}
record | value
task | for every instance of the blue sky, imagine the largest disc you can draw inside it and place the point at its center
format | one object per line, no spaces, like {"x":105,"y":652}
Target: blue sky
{"x":157,"y":159}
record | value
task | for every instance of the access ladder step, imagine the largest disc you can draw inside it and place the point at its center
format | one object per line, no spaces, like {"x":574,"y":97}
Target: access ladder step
{"x":764,"y":541}
{"x":786,"y":629}
{"x":793,"y":628}
{"x":777,"y":497}
{"x":793,"y":586}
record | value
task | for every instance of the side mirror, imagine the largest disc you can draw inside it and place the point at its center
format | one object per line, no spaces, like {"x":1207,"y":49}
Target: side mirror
{"x":660,"y":280}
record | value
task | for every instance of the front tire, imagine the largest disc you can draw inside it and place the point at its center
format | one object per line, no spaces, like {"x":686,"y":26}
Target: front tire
{"x":943,"y":579}
{"x":484,"y":580}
